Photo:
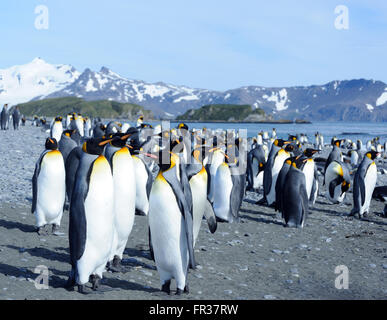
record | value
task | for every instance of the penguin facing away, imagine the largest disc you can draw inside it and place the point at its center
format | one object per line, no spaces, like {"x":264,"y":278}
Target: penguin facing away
{"x":170,"y":221}
{"x":48,"y":188}
{"x":91,"y":217}
{"x":364,"y":184}
{"x":295,"y":200}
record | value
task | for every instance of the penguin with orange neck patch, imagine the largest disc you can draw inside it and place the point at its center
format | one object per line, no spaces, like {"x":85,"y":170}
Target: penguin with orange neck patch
{"x":91,"y":228}
{"x":49,"y":188}
{"x":170,"y":219}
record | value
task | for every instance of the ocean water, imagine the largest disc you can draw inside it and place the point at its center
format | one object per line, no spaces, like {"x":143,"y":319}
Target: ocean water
{"x":363,"y":131}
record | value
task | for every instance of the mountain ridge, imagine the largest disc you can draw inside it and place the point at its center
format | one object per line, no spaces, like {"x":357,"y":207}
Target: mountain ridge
{"x":347,"y":100}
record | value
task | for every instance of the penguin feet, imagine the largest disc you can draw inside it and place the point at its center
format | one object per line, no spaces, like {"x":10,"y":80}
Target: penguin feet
{"x":116,"y":266}
{"x":166,"y":287}
{"x":179,"y":291}
{"x":42,"y":231}
{"x":262,"y":201}
{"x":97,"y":287}
{"x":55,"y":229}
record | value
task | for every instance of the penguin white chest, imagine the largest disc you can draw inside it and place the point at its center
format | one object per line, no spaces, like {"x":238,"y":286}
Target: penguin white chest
{"x":198,"y":184}
{"x":370,"y":182}
{"x":222,"y":190}
{"x":99,"y":210}
{"x":51,"y":188}
{"x":279,"y":160}
{"x":308,"y":171}
{"x":167,"y":229}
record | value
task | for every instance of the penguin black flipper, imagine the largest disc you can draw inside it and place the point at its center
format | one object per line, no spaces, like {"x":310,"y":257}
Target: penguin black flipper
{"x":72,"y":163}
{"x":333,"y":184}
{"x":35,"y":181}
{"x":237,"y":191}
{"x":177,"y":188}
{"x":305,"y":202}
{"x":77,"y":225}
{"x":209,"y":214}
{"x":149,"y":182}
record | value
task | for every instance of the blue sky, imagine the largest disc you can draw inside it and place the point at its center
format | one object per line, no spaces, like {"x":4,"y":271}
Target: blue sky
{"x":203,"y":44}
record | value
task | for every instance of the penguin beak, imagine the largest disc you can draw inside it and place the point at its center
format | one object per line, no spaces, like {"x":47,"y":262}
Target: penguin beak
{"x":102,"y":143}
{"x":125,"y":136}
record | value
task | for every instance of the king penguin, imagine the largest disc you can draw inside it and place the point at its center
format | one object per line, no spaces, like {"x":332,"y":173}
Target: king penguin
{"x":91,"y":228}
{"x":255,"y":167}
{"x":364,"y":184}
{"x":171,"y":222}
{"x":335,"y":155}
{"x":295,"y":200}
{"x":229,"y":187}
{"x":197,"y":176}
{"x":49,"y":188}
{"x":56,"y":129}
{"x":337,"y":180}
{"x":121,"y":163}
{"x":273,"y":166}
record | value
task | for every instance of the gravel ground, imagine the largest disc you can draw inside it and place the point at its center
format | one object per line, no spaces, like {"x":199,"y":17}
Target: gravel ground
{"x":255,"y":259}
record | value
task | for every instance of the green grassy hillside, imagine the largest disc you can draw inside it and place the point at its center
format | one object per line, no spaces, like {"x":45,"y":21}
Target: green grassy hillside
{"x":223,"y":112}
{"x":101,"y":108}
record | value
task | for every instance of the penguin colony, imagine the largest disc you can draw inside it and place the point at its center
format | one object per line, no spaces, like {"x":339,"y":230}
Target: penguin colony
{"x":103,"y":174}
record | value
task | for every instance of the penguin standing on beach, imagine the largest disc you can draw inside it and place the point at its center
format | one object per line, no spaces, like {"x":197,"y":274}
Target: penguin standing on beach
{"x":4,"y":117}
{"x":56,"y":129}
{"x":363,"y":184}
{"x":91,"y":228}
{"x":335,"y":155}
{"x":49,"y":188}
{"x":16,"y":118}
{"x":121,"y":163}
{"x":274,"y":163}
{"x":295,"y":202}
{"x":308,"y":168}
{"x":229,"y":187}
{"x":197,"y":176}
{"x":255,"y":167}
{"x":170,"y":220}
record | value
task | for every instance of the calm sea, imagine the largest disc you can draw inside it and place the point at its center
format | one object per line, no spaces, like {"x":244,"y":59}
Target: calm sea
{"x":350,"y":130}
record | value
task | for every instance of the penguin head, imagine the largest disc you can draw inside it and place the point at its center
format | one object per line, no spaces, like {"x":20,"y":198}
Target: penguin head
{"x":59,"y":119}
{"x":309,"y":152}
{"x":119,"y":139}
{"x":292,"y":138}
{"x":280,"y":143}
{"x":298,"y":161}
{"x":182,"y":126}
{"x":337,"y":143}
{"x":200,"y":152}
{"x":95,"y":145}
{"x":372,"y":154}
{"x":169,"y":155}
{"x":51,"y":144}
{"x":345,"y":185}
{"x":289,"y":147}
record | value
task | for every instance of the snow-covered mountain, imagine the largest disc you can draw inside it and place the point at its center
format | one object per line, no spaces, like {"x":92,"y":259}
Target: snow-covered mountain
{"x":356,"y":100}
{"x":36,"y":79}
